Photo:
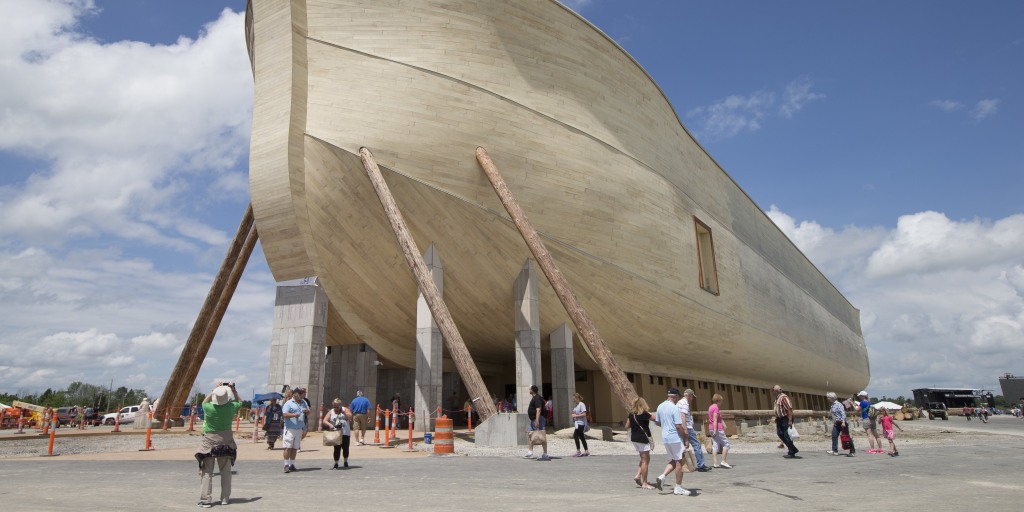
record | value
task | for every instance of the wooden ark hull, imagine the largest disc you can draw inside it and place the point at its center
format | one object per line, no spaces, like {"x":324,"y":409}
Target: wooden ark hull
{"x":592,"y":150}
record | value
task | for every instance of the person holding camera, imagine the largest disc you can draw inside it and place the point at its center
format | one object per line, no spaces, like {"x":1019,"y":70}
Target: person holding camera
{"x":218,"y":445}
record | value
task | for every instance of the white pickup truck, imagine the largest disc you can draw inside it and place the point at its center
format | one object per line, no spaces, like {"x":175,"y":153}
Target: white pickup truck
{"x":127,"y":415}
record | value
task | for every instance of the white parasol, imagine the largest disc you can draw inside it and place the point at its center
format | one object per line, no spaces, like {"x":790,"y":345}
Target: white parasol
{"x":888,"y":405}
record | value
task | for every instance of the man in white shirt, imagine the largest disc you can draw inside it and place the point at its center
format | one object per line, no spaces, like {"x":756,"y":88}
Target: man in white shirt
{"x":691,"y":434}
{"x":671,"y":423}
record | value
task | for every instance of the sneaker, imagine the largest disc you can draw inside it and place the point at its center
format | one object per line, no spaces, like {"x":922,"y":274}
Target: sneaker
{"x":585,"y":454}
{"x":659,"y":481}
{"x":205,"y":504}
{"x":851,"y":454}
{"x":545,"y":457}
{"x":793,"y":456}
{"x":335,"y":466}
{"x":292,"y":467}
{"x":529,"y":455}
{"x":224,"y":501}
{"x":346,"y":465}
{"x":716,"y":466}
{"x":703,"y":469}
{"x":830,"y":452}
{"x":725,"y":465}
{"x":895,"y":454}
{"x":287,"y":469}
{"x":680,"y":491}
{"x":578,"y":454}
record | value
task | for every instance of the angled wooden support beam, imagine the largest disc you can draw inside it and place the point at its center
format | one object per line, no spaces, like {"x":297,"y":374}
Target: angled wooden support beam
{"x":580,"y":318}
{"x":179,"y":384}
{"x":452,"y":339}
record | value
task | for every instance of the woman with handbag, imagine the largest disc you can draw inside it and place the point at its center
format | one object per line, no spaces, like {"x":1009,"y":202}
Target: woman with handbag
{"x":840,"y":427}
{"x":639,"y":424}
{"x":579,"y":418}
{"x":337,"y":422}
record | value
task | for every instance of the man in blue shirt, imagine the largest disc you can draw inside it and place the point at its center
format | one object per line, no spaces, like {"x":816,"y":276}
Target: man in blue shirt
{"x":294,"y":412}
{"x":671,"y":423}
{"x":359,"y":407}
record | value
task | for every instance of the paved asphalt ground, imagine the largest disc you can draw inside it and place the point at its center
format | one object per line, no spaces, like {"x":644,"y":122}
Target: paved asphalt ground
{"x":967,"y":473}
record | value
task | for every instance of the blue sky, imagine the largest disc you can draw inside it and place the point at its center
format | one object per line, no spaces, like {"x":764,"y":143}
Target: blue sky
{"x":883,"y":137}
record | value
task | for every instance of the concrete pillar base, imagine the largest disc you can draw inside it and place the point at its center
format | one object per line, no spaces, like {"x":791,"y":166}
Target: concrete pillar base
{"x":502,"y":429}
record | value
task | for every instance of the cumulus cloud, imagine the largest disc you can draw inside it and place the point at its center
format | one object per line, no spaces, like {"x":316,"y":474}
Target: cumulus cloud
{"x":738,"y":113}
{"x":941,"y":300}
{"x":126,"y":141}
{"x":97,"y":315}
{"x":125,"y":129}
{"x":984,"y":109}
{"x":927,"y":242}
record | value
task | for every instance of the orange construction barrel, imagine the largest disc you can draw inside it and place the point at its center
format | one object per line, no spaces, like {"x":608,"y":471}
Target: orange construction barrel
{"x":444,"y":442}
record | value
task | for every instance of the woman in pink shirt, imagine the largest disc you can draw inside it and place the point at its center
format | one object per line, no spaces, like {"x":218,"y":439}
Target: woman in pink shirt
{"x":716,"y":429}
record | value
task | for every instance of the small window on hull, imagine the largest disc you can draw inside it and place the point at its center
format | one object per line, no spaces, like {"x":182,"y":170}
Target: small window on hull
{"x":707,"y":273}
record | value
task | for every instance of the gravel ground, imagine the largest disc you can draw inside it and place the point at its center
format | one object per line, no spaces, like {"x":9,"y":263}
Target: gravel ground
{"x":37,"y":445}
{"x":560,"y":444}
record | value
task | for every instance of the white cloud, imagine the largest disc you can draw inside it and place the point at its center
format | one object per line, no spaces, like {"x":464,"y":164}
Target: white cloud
{"x":927,"y":242}
{"x":941,"y":300}
{"x":97,"y":315}
{"x":738,"y":113}
{"x":732,"y":115}
{"x":984,"y":109}
{"x":797,"y":94}
{"x":155,"y":340}
{"x":947,"y":105}
{"x":125,"y":129}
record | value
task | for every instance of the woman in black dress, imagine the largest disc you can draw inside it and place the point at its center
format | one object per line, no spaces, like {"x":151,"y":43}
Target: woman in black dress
{"x":638,"y":423}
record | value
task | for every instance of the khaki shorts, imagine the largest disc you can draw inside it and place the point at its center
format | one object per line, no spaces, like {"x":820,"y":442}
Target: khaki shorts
{"x":293,"y":438}
{"x":359,"y":422}
{"x":869,"y":424}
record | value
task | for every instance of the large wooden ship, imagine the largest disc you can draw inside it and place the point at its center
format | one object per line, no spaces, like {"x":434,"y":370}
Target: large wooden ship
{"x":682,"y":272}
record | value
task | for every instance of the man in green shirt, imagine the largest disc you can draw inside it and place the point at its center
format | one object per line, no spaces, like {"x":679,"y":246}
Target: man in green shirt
{"x":218,"y":446}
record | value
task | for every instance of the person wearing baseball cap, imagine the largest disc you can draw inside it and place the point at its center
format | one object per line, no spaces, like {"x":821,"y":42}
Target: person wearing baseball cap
{"x":869,"y":420}
{"x":294,"y":412}
{"x":684,"y":410}
{"x":783,"y":420}
{"x":674,"y":439}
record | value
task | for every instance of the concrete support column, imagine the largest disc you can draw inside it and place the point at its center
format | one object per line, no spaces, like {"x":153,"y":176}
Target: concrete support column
{"x":563,"y":376}
{"x":350,"y":368}
{"x":527,"y":308}
{"x":429,"y":350}
{"x":297,"y":344}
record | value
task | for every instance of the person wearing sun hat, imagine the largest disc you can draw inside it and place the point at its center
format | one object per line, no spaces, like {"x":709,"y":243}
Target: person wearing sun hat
{"x":218,"y":445}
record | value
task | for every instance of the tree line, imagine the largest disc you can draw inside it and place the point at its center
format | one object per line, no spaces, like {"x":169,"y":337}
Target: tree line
{"x":80,"y":393}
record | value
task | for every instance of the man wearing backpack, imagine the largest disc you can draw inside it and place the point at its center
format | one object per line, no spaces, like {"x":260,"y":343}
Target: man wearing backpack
{"x":869,"y":420}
